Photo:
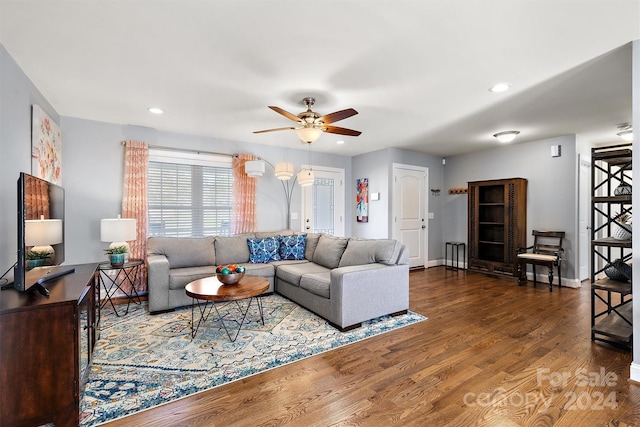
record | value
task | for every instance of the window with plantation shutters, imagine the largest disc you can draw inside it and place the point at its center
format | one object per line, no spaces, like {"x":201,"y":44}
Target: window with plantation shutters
{"x":190,"y":194}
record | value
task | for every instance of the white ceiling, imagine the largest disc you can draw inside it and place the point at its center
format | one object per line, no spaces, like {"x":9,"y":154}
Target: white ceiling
{"x":418,"y":72}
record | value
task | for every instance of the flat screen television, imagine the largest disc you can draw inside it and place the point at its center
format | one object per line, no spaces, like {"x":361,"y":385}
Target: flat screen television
{"x":40,"y":233}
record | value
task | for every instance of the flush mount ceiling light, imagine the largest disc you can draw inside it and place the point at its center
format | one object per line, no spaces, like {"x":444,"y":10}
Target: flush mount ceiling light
{"x":155,"y":110}
{"x":506,"y":136}
{"x":626,"y":131}
{"x":500,"y":87}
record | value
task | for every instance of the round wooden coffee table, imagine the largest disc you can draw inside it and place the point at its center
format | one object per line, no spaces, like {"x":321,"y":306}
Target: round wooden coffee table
{"x":210,"y":290}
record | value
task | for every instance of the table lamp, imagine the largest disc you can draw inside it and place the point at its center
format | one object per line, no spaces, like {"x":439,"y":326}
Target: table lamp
{"x":118,"y":231}
{"x":42,"y":233}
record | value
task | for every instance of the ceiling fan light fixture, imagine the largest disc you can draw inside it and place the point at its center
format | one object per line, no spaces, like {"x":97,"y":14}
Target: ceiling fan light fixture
{"x":305,"y":177}
{"x":284,"y":171}
{"x":254,"y":168}
{"x":626,"y":131}
{"x":506,"y":136}
{"x":309,"y":134}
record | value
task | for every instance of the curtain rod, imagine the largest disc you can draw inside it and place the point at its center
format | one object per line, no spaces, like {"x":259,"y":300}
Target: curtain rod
{"x":187,"y":150}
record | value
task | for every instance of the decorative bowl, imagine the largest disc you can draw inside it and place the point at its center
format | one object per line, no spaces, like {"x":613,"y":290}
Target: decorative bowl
{"x":230,"y":278}
{"x":620,"y":231}
{"x":619,"y":270}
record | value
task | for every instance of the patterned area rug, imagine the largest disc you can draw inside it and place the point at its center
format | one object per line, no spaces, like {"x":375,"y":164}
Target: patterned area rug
{"x":142,"y":361}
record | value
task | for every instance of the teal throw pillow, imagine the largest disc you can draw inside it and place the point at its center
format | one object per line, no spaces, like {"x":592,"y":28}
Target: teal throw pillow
{"x":262,"y":251}
{"x":292,"y":247}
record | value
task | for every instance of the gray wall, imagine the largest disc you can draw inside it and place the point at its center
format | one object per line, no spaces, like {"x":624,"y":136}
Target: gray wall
{"x":551,"y":188}
{"x":17,"y":95}
{"x":378,"y":167}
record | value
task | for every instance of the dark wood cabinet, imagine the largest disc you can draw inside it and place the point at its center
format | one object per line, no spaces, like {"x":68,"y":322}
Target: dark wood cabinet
{"x":497,"y":225}
{"x":46,"y":345}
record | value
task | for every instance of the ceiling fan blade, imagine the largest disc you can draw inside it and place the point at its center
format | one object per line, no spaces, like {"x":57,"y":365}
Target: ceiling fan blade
{"x":338,"y":115}
{"x":287,"y":114}
{"x":341,"y":131}
{"x":273,"y":130}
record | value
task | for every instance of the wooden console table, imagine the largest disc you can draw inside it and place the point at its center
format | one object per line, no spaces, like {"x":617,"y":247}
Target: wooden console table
{"x":46,"y":345}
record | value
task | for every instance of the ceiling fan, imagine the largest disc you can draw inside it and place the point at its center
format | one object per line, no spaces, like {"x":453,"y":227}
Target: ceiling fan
{"x":311,"y":124}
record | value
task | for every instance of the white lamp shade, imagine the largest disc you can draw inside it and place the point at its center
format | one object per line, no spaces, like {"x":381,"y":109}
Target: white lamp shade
{"x":506,"y":136}
{"x":305,"y":177}
{"x":309,"y":134}
{"x":254,"y":168}
{"x":117,"y":229}
{"x":43,"y":232}
{"x":284,"y":170}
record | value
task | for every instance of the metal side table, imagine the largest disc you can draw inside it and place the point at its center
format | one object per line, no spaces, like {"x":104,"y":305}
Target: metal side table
{"x":112,"y":283}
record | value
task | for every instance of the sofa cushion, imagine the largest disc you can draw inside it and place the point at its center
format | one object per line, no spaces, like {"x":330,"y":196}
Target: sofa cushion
{"x":232,"y":250}
{"x":262,"y":251}
{"x":317,"y":283}
{"x":180,"y":277}
{"x":329,"y":250}
{"x":367,"y":251}
{"x":292,"y":247}
{"x":262,"y":270}
{"x":183,"y":251}
{"x":310,"y":246}
{"x":291,"y":273}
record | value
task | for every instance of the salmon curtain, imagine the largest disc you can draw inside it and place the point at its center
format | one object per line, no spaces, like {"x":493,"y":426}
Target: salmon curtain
{"x":134,"y":202}
{"x":244,"y":196}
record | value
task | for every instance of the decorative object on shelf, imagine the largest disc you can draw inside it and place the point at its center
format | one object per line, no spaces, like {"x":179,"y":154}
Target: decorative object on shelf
{"x":619,"y":270}
{"x":230,"y":274}
{"x":621,"y":227}
{"x":623,"y":189}
{"x":117,"y":255}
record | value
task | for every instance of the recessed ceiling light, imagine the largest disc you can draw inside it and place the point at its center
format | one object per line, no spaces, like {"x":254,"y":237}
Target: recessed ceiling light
{"x":500,"y":87}
{"x":155,"y":110}
{"x":340,"y":142}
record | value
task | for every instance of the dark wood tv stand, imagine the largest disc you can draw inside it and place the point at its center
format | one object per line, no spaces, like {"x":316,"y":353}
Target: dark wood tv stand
{"x":45,"y":349}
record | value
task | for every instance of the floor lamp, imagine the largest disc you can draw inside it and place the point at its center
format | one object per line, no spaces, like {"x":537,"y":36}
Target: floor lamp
{"x":284,"y":172}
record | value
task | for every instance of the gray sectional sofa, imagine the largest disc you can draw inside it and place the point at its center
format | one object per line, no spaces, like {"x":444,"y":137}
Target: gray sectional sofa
{"x":345,"y":280}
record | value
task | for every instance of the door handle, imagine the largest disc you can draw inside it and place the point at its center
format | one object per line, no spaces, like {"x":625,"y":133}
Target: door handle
{"x":424,"y":226}
{"x":308,"y":228}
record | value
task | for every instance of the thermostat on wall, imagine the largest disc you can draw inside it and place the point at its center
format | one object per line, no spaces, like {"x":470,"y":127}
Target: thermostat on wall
{"x":556,"y":150}
{"x":375,"y":196}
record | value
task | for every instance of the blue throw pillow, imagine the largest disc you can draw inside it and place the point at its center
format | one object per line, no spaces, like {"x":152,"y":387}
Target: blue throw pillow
{"x":262,"y":251}
{"x":292,"y":247}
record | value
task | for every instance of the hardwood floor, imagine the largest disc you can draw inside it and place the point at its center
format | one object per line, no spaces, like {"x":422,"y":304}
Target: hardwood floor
{"x":491,"y":354}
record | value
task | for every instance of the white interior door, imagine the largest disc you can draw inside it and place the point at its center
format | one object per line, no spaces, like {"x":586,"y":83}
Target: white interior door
{"x":584,"y":210}
{"x":409,"y":211}
{"x":323,"y":202}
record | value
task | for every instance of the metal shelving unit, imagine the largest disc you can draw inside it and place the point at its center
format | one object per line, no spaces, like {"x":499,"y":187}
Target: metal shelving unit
{"x":611,"y":320}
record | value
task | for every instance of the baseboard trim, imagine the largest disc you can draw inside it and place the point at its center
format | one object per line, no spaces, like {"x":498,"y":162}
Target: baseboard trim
{"x":634,"y":372}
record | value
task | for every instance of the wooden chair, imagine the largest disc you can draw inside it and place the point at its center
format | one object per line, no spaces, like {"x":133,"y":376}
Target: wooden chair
{"x":546,"y":251}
